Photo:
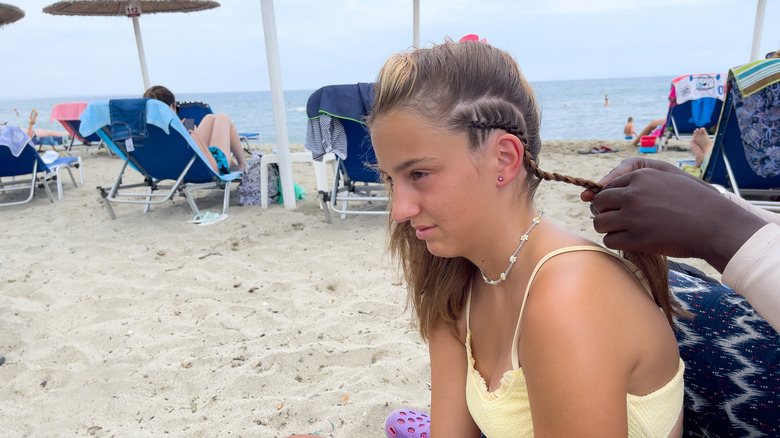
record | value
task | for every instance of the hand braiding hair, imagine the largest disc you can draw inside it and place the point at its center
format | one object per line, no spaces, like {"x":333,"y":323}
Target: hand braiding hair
{"x":529,"y":159}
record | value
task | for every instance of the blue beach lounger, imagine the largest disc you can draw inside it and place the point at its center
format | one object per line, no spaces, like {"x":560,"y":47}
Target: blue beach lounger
{"x":18,"y":158}
{"x":745,"y":156}
{"x":150,"y":138}
{"x":695,"y":101}
{"x":336,"y":125}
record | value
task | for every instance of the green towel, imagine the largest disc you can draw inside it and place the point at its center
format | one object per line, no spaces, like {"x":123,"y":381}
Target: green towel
{"x":300,"y":192}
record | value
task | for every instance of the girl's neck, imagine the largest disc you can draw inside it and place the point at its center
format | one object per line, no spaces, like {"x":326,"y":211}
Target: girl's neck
{"x":505,"y":243}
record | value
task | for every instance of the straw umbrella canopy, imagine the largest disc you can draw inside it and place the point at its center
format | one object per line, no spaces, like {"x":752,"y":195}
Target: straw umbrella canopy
{"x":129,"y":8}
{"x":9,"y":14}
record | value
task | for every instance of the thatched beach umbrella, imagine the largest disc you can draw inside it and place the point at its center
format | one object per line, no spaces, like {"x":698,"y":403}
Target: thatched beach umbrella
{"x":9,"y":14}
{"x":129,"y":8}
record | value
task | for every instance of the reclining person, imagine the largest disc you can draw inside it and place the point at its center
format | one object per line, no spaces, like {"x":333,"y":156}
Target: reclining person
{"x":215,"y":135}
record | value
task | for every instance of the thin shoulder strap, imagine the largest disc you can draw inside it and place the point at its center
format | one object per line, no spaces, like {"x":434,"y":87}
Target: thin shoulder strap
{"x":638,"y":273}
{"x":468,"y":306}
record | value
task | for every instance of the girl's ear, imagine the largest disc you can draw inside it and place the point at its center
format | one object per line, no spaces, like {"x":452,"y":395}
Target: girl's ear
{"x":510,"y":154}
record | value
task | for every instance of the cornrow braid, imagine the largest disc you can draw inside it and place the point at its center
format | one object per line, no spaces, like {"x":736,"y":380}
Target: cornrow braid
{"x":529,"y":159}
{"x":654,"y":267}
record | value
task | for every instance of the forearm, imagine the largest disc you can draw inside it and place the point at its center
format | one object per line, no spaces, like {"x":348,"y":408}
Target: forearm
{"x":758,"y":211}
{"x":727,"y":234}
{"x":753,"y":272}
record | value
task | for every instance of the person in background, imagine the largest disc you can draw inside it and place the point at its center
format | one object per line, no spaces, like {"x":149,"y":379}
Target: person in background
{"x":648,"y":129}
{"x":606,"y":100}
{"x":628,"y":131}
{"x":215,"y":135}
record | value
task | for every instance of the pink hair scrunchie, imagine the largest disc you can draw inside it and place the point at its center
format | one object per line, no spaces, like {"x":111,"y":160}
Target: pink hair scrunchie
{"x":473,"y":37}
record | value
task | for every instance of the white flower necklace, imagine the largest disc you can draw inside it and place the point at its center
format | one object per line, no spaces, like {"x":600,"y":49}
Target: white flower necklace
{"x":513,"y":257}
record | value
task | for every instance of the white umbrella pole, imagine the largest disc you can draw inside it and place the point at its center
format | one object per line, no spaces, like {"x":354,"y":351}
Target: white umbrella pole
{"x":758,"y":29}
{"x":141,"y":56}
{"x":277,"y":101}
{"x":416,"y":24}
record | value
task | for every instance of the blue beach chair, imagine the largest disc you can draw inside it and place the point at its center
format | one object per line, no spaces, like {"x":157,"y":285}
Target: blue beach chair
{"x":745,"y":156}
{"x":336,"y":125}
{"x":695,"y":101}
{"x":150,"y":138}
{"x":18,"y":158}
{"x":198,"y":110}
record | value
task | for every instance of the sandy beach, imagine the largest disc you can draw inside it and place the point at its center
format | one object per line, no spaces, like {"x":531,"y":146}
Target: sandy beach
{"x":270,"y":323}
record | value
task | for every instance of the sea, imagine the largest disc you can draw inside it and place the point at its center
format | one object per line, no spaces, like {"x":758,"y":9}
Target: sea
{"x":571,"y":109}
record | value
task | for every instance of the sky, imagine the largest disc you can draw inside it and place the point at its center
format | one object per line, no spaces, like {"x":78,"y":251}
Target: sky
{"x":346,"y":41}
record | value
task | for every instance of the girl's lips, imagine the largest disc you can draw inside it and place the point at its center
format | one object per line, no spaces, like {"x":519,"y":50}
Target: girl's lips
{"x":423,"y":232}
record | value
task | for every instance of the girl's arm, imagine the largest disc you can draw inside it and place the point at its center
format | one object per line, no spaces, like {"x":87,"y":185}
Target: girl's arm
{"x":449,"y":414}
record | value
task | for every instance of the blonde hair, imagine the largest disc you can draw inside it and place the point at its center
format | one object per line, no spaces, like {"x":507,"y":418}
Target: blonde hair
{"x":470,"y":88}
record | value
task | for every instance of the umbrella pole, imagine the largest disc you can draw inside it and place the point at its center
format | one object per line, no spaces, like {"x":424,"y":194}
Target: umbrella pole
{"x":277,"y":102}
{"x":416,"y":24}
{"x":758,"y":29}
{"x":141,"y":56}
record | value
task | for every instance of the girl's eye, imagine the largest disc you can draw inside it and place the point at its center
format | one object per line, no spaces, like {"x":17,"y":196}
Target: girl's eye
{"x":417,"y":175}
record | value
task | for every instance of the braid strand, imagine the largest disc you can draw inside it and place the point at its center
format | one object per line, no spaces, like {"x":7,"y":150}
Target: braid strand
{"x":529,"y":159}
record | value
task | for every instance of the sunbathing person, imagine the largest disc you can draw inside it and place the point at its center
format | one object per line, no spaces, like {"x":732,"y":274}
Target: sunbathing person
{"x":40,"y":133}
{"x":648,"y":129}
{"x":215,"y":135}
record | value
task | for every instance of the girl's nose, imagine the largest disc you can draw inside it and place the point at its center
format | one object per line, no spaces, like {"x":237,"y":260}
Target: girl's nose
{"x":405,"y":206}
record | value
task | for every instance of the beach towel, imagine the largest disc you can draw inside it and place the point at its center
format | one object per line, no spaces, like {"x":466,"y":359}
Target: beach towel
{"x":325,"y":134}
{"x":324,"y":131}
{"x":703,"y":90}
{"x":15,"y":139}
{"x":755,"y":76}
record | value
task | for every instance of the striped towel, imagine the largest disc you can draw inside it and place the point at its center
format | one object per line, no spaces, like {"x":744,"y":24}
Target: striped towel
{"x":756,"y":76}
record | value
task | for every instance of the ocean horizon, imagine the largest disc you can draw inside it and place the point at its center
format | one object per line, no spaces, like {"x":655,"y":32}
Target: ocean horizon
{"x":570,"y":110}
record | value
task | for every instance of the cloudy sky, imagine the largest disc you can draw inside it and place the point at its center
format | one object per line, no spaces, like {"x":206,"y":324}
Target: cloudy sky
{"x":345,"y":41}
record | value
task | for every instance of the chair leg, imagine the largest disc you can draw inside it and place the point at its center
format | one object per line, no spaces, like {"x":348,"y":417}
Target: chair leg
{"x":264,"y":162}
{"x":46,"y":187}
{"x":226,"y":200}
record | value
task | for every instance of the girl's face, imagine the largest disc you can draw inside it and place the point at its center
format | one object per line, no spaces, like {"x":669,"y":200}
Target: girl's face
{"x":436,"y":182}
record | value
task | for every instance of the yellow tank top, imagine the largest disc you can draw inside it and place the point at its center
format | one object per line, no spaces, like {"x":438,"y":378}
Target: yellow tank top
{"x":506,"y":412}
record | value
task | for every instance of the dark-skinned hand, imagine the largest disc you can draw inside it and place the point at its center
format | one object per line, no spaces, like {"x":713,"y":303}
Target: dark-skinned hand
{"x":652,"y":206}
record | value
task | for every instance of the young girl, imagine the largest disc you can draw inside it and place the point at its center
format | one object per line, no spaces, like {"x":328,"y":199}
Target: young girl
{"x":531,"y":329}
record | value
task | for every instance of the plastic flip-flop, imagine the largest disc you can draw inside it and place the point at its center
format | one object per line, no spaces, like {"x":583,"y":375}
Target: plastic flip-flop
{"x":212,"y":218}
{"x":199,"y":218}
{"x":406,"y":423}
{"x":593,"y":150}
{"x":207,"y":218}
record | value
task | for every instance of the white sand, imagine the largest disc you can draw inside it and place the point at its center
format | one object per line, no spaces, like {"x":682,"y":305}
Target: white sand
{"x":269,"y":323}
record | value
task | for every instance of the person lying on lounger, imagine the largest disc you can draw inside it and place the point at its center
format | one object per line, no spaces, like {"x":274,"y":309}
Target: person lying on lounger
{"x":215,"y":135}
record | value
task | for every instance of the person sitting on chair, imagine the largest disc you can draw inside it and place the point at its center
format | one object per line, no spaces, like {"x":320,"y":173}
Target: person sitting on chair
{"x":214,"y":135}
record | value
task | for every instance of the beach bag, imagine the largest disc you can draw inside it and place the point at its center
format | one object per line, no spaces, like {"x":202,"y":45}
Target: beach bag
{"x":249,"y":187}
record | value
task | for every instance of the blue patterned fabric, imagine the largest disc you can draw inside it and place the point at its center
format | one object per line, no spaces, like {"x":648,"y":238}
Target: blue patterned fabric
{"x":731,"y":359}
{"x":758,"y":116}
